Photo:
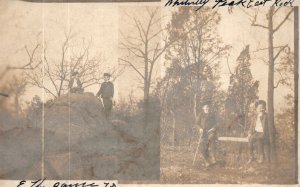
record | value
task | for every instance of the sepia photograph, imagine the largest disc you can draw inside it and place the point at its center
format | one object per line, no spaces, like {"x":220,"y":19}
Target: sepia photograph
{"x":70,"y":109}
{"x":145,"y":93}
{"x":228,"y":97}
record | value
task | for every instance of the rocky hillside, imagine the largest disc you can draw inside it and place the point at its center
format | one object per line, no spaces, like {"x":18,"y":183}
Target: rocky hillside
{"x":78,"y":142}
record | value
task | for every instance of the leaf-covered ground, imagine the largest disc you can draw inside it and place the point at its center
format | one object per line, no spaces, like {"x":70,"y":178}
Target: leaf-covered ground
{"x":176,"y":167}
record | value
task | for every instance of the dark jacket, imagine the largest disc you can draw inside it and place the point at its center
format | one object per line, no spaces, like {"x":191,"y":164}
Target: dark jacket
{"x":207,"y":122}
{"x":79,"y":84}
{"x":106,"y":90}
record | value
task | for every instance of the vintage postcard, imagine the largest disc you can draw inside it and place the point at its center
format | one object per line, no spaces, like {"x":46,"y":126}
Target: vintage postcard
{"x":111,"y":92}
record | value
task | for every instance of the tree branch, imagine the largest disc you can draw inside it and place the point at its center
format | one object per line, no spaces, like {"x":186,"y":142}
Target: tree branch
{"x":279,"y":52}
{"x":276,"y":10}
{"x":229,"y":67}
{"x":262,"y":49}
{"x":256,"y":24}
{"x":280,"y":81}
{"x":283,"y":21}
{"x":133,"y":67}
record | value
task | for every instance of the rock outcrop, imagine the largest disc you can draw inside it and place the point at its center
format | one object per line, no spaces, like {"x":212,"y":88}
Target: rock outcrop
{"x":75,"y":141}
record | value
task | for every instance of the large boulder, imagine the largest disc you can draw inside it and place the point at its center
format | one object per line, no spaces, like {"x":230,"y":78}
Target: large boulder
{"x":75,"y":141}
{"x":72,"y":119}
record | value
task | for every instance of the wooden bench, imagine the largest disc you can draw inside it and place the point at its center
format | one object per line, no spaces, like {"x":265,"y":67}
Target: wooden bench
{"x":237,"y":149}
{"x":234,"y":139}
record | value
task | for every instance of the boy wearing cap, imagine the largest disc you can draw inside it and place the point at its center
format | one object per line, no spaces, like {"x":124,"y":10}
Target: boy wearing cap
{"x":106,"y":92}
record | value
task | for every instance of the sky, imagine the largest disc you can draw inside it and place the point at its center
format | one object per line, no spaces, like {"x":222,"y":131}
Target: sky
{"x":21,"y":22}
{"x":237,"y":32}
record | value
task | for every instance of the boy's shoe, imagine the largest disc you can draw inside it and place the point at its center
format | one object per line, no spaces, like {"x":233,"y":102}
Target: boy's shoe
{"x":213,"y":160}
{"x":207,"y":163}
{"x":260,"y":160}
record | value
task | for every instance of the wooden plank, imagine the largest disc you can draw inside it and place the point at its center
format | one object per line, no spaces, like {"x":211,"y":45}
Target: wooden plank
{"x":234,"y":139}
{"x":4,"y":95}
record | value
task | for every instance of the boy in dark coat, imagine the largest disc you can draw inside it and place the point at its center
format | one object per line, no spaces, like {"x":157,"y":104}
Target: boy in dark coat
{"x":208,"y":128}
{"x":75,"y":84}
{"x":106,"y":92}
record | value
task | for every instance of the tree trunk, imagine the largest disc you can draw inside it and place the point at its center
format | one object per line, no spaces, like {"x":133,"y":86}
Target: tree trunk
{"x":17,"y":106}
{"x":146,"y":70}
{"x":173,"y":128}
{"x":146,"y":88}
{"x":296,"y":79}
{"x":271,"y":87}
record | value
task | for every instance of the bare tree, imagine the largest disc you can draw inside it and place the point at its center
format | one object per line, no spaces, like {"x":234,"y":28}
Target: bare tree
{"x":147,"y":43}
{"x":192,"y":77}
{"x":17,"y":87}
{"x":272,"y":28}
{"x":32,"y":63}
{"x":144,"y":48}
{"x":55,"y":73}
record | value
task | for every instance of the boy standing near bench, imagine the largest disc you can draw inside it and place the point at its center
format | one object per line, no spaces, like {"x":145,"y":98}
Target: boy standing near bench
{"x":259,"y":133}
{"x":208,"y":129}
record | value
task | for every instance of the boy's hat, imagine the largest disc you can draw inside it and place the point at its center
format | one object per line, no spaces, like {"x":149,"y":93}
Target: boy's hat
{"x":106,"y":75}
{"x":261,"y":102}
{"x":206,"y":103}
{"x":75,"y":73}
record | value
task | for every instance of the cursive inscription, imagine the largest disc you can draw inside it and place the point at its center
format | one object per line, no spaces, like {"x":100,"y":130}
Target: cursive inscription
{"x":40,"y":183}
{"x":230,"y":3}
{"x":199,"y":3}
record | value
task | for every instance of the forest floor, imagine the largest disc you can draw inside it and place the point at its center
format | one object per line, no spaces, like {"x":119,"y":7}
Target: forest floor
{"x":231,"y":168}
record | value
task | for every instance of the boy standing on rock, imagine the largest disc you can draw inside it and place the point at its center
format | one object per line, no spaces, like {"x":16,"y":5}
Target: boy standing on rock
{"x":106,"y":92}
